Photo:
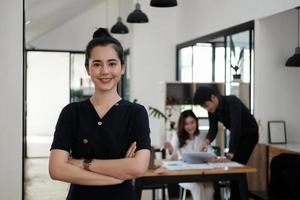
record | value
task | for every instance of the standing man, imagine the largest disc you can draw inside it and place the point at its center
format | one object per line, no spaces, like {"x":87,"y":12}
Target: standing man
{"x":236,"y":117}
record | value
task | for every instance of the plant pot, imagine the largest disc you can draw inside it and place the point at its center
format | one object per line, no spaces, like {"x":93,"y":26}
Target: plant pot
{"x":236,"y":76}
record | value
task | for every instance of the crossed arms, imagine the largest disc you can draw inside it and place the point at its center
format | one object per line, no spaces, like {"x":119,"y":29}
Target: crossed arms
{"x":102,"y":172}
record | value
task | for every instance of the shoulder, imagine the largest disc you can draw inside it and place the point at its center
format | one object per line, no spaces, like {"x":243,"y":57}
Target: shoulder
{"x":73,"y":107}
{"x":69,"y":107}
{"x":232,"y":99}
{"x":135,"y":107}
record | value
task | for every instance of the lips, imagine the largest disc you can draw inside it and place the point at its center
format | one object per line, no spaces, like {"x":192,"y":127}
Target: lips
{"x":190,"y":130}
{"x":104,"y":80}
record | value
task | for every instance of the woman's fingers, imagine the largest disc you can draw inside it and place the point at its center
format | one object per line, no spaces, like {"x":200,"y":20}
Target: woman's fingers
{"x":203,"y":148}
{"x":130,"y":152}
{"x":168,"y":146}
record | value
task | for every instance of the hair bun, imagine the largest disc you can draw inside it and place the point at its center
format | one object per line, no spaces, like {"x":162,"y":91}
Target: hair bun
{"x":101,"y":32}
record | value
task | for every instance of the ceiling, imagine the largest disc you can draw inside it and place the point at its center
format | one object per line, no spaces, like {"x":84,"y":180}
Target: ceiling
{"x":42,"y":16}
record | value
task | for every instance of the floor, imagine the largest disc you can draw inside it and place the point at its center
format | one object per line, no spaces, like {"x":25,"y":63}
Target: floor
{"x":38,"y":185}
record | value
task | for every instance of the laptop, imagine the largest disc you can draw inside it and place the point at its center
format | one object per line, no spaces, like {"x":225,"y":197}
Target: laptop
{"x":196,"y":157}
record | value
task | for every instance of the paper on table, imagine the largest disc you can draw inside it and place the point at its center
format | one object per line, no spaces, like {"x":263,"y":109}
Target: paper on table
{"x":225,"y":164}
{"x":175,"y":165}
{"x":180,"y":165}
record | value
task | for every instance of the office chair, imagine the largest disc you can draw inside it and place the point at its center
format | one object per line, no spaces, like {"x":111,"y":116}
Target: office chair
{"x":284,"y":181}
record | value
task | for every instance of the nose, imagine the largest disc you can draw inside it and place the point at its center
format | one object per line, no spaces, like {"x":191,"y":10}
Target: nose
{"x":104,"y":69}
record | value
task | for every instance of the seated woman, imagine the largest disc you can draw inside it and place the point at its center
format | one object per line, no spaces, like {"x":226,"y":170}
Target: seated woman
{"x":189,"y":139}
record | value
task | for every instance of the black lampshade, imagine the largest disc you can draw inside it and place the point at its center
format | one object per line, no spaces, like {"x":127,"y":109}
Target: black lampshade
{"x":294,"y":61}
{"x":119,"y":27}
{"x":163,"y":3}
{"x":137,"y":16}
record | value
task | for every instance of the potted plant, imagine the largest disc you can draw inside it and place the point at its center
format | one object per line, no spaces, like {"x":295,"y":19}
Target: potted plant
{"x":156,"y":113}
{"x":235,"y":63}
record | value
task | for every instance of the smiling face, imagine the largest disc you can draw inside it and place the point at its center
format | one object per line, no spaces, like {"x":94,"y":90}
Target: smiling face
{"x":190,"y":125}
{"x":105,"y":68}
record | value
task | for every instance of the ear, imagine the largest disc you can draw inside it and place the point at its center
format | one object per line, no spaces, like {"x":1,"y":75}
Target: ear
{"x":213,"y":98}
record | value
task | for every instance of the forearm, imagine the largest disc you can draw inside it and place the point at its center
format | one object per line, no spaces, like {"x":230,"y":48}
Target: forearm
{"x":125,"y":168}
{"x":72,"y":174}
{"x":60,"y":169}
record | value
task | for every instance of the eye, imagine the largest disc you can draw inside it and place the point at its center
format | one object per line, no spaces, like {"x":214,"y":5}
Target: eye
{"x":96,"y":64}
{"x":112,"y":64}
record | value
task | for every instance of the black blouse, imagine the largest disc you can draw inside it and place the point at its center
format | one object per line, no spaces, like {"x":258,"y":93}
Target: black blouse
{"x":81,"y":132}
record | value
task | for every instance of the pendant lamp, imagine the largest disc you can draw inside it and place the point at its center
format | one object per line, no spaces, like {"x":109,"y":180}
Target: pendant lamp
{"x":163,"y":3}
{"x":119,"y":27}
{"x":137,"y":16}
{"x":294,"y":61}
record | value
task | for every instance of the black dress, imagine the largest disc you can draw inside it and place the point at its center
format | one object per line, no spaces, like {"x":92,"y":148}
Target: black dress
{"x":81,"y":132}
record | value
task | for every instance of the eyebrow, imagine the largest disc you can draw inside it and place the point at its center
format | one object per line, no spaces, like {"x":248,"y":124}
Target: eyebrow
{"x":108,"y":60}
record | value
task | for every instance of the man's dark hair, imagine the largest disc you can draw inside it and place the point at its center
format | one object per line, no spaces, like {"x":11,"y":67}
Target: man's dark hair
{"x":203,"y":94}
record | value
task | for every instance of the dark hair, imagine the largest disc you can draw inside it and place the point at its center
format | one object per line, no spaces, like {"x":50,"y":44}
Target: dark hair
{"x":183,"y":135}
{"x":203,"y":94}
{"x":101,"y":37}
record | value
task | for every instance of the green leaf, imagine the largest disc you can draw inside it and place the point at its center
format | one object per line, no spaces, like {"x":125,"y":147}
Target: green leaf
{"x":231,"y":45}
{"x":154,"y":112}
{"x":241,"y":57}
{"x":235,"y":68}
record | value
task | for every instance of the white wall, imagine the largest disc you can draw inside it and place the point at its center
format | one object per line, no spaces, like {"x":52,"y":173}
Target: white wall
{"x":76,"y":33}
{"x":197,"y":18}
{"x":276,"y":89}
{"x":153,"y":61}
{"x":47,"y":91}
{"x":11,"y":51}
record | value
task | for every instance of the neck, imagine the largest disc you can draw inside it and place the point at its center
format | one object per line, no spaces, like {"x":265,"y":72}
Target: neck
{"x":192,"y":137}
{"x":105,"y":97}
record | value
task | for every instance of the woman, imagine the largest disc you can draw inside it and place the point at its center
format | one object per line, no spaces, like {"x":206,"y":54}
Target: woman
{"x":188,"y":140}
{"x":100,"y":144}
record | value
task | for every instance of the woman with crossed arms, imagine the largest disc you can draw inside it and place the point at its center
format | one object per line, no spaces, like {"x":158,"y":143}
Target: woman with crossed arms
{"x":100,"y":144}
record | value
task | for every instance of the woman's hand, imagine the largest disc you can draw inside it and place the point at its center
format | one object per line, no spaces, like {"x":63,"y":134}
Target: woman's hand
{"x":168,"y":147}
{"x":131,"y":151}
{"x":218,"y":159}
{"x":204,"y":145}
{"x":229,"y":156}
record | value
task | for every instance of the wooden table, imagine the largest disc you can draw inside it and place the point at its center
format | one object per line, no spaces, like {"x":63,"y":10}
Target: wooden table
{"x":164,"y":176}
